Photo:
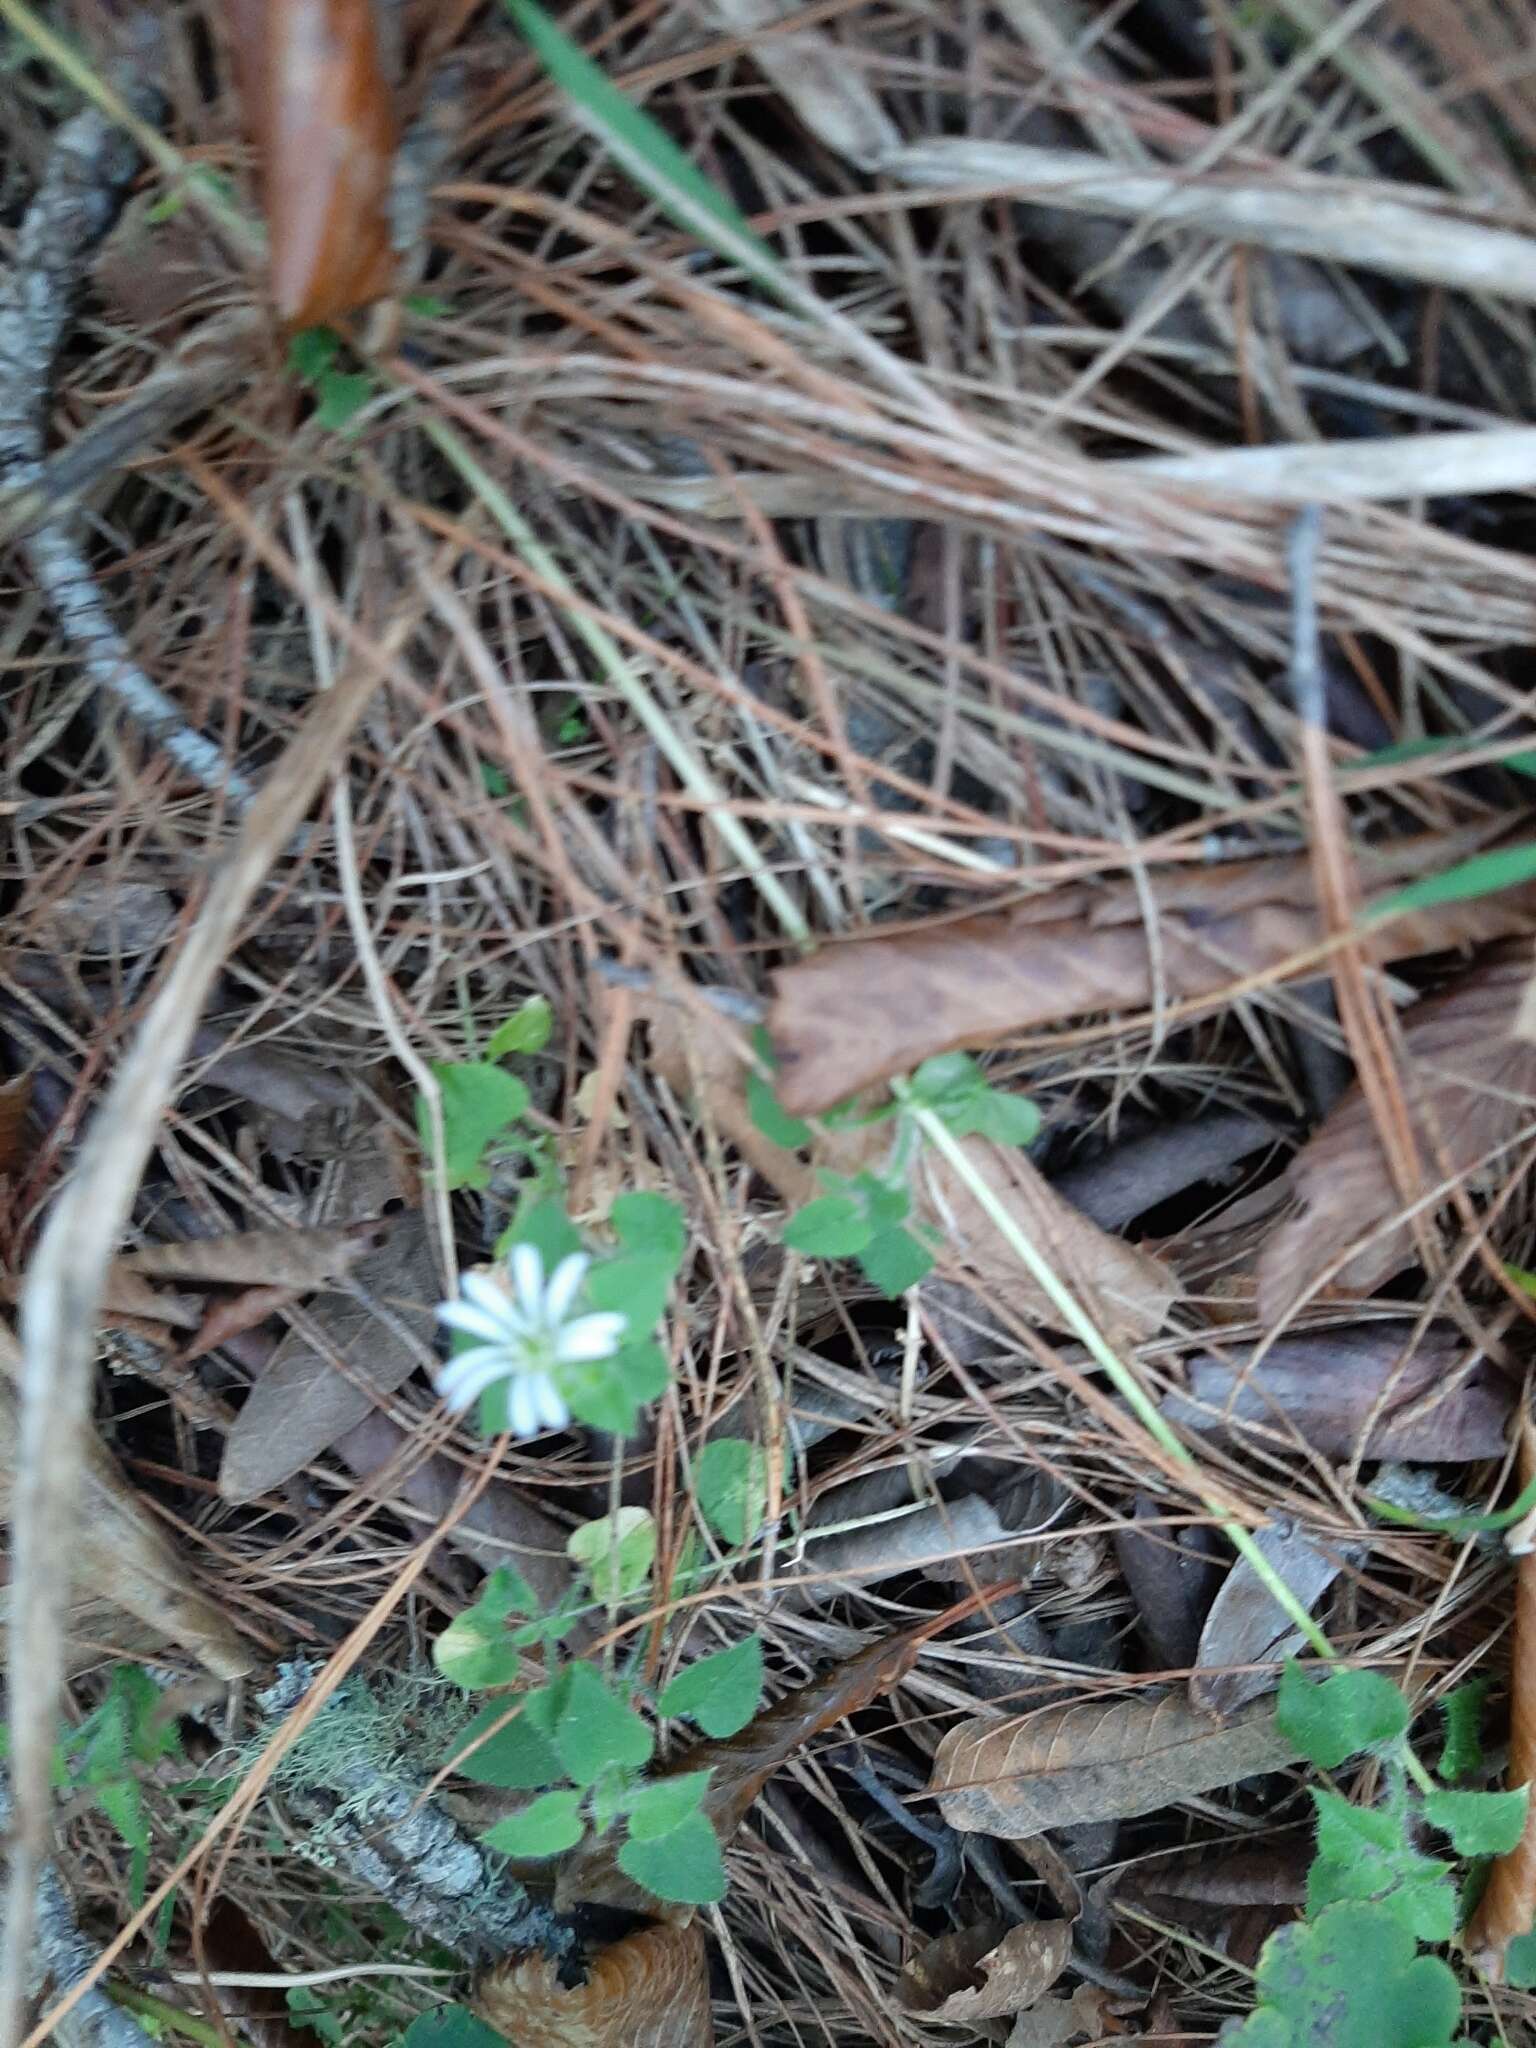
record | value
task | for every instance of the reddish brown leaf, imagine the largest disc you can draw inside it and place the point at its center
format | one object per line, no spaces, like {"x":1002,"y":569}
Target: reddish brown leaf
{"x":1095,"y":1760}
{"x":15,"y":1109}
{"x":1382,"y":1390}
{"x":650,"y":1990}
{"x":859,"y":1012}
{"x":976,"y":1973}
{"x":1470,"y":1086}
{"x":322,"y":116}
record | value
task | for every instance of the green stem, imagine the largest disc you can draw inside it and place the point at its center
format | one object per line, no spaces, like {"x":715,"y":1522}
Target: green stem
{"x":148,"y":2007}
{"x":1076,"y":1319}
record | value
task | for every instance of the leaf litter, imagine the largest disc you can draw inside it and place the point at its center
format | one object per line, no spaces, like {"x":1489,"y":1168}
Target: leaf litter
{"x":833,"y":617}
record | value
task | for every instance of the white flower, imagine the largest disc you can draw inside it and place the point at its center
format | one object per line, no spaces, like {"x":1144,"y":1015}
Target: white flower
{"x":525,"y":1332}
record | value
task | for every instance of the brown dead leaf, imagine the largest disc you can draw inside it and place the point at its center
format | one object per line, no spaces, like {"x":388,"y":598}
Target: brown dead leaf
{"x":296,"y":1260}
{"x":1470,"y":1087}
{"x":1056,"y":2021}
{"x":1246,"y":1637}
{"x":501,"y":1527}
{"x":102,"y":917}
{"x":302,"y":1403}
{"x":741,"y":1765}
{"x":15,"y":1109}
{"x":1133,"y":1176}
{"x":650,"y":1990}
{"x":1127,"y":1290}
{"x":1373,"y":1389}
{"x":123,"y":1556}
{"x":1095,"y":1760}
{"x":858,"y":1012}
{"x":1172,"y":1576}
{"x":976,"y":1973}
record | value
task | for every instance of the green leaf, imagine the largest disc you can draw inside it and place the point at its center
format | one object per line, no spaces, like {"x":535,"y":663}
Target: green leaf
{"x":659,"y":1808}
{"x":652,"y":1225}
{"x":479,"y":1102}
{"x":615,"y":1552}
{"x":606,"y":1393}
{"x":730,"y":1486}
{"x":594,"y":1728}
{"x":764,"y":1108}
{"x":1349,"y":1979}
{"x":1010,"y":1119}
{"x":637,"y":1284}
{"x":831,"y":1227}
{"x":720,"y":1692}
{"x":312,"y":352}
{"x":1349,"y":1712}
{"x":1479,"y":1823}
{"x":474,"y":1650}
{"x":1520,"y":1962}
{"x":886,"y":1203}
{"x":1458,"y":1525}
{"x":644,"y":148}
{"x":946,"y":1081}
{"x":1462,"y":1750}
{"x":123,"y":1804}
{"x":526,"y":1030}
{"x":1507,"y":867}
{"x":519,"y":1757}
{"x":894,"y":1261}
{"x":551,"y":1823}
{"x":683,"y":1865}
{"x":549,"y":1230}
{"x":1363,"y":1852}
{"x":341,"y":396}
{"x":451,"y":2026}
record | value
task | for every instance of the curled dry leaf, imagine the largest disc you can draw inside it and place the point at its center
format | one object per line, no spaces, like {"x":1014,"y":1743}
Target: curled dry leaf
{"x":857,"y":1013}
{"x":1126,"y":1289}
{"x":1095,"y":1760}
{"x":870,"y":1539}
{"x":1246,"y":1638}
{"x":741,"y":1765}
{"x":976,"y":1973}
{"x":123,"y":1557}
{"x":1056,"y":2021}
{"x":103,"y":917}
{"x":650,"y":1990}
{"x":1470,"y":1087}
{"x":1377,"y":1390}
{"x":302,"y":1403}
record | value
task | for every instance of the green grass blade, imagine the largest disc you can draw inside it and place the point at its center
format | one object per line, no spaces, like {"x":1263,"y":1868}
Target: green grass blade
{"x":644,"y":148}
{"x":1505,"y":868}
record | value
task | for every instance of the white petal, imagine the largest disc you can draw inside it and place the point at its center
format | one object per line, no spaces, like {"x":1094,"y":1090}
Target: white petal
{"x":596,"y":1336}
{"x":474,"y":1321}
{"x":523,"y":1406}
{"x":527,"y":1269}
{"x":463,"y":1381}
{"x":484,"y":1292}
{"x":564,"y":1286}
{"x":551,"y":1402}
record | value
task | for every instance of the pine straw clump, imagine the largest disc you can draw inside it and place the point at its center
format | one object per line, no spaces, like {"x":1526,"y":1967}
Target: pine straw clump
{"x":812,"y":616}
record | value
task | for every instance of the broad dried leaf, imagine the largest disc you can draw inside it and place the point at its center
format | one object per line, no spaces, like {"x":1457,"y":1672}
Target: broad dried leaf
{"x":296,"y":1260}
{"x":957,"y":1539}
{"x":1470,"y":1087}
{"x":302,"y":1403}
{"x":1172,"y":1576}
{"x":1095,"y":1760}
{"x":123,"y":1556}
{"x":975,"y":1973}
{"x":15,"y":1109}
{"x":1125,"y":1181}
{"x":103,"y":917}
{"x":1373,"y":1389}
{"x":650,"y":1990}
{"x":858,"y":1012}
{"x":501,"y":1528}
{"x":741,"y":1765}
{"x":1246,"y":1638}
{"x":1059,"y":2020}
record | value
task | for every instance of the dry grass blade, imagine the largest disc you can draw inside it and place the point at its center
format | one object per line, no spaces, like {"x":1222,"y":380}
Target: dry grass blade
{"x":1095,"y":1761}
{"x":1470,"y":1089}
